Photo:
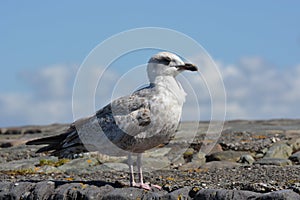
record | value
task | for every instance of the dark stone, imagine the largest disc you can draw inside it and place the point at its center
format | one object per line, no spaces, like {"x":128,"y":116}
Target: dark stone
{"x":130,"y":193}
{"x":273,"y":161}
{"x":295,"y":157}
{"x":221,"y":194}
{"x":182,"y":193}
{"x":232,"y":156}
{"x":281,"y":194}
{"x":42,"y":190}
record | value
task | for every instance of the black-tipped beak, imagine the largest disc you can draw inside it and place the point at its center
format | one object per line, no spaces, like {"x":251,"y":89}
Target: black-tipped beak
{"x":187,"y":66}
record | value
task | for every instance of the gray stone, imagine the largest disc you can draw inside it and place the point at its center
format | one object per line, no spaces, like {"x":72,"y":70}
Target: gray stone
{"x":219,"y":165}
{"x":20,"y":164}
{"x":279,"y":150}
{"x":80,"y":191}
{"x":112,"y":166}
{"x":281,"y":194}
{"x":129,"y":193}
{"x":150,"y":164}
{"x":221,"y":194}
{"x":232,"y":156}
{"x":103,"y":158}
{"x":42,"y":190}
{"x":274,"y":161}
{"x":247,"y":159}
{"x":295,"y":157}
{"x":157,"y":153}
{"x":18,"y":190}
{"x":182,"y":193}
{"x":48,"y":169}
{"x":295,"y":144}
{"x":78,"y":164}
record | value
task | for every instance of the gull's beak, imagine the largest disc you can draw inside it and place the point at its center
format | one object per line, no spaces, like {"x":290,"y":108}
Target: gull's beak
{"x":187,"y":66}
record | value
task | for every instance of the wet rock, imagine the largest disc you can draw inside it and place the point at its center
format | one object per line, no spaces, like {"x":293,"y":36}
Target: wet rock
{"x":295,"y":157}
{"x":274,"y":161}
{"x":279,"y":150}
{"x":232,"y":156}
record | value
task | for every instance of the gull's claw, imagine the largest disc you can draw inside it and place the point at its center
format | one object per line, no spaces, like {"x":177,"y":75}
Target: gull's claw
{"x":146,"y":186}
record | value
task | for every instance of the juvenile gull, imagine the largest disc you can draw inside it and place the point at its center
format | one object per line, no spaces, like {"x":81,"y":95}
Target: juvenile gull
{"x":134,"y":123}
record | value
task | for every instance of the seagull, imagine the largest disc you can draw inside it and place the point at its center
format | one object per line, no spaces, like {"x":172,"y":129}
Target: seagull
{"x":131,"y":124}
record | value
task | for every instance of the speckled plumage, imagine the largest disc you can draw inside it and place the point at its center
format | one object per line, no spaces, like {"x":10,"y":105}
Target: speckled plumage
{"x":133,"y":123}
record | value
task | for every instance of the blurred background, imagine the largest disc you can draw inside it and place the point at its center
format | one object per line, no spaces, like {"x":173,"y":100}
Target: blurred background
{"x":256,"y":47}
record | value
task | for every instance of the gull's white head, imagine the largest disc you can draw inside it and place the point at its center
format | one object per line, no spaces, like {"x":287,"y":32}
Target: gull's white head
{"x":167,"y":64}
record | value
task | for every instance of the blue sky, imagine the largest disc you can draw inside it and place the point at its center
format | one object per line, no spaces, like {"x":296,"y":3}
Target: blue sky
{"x":36,"y":36}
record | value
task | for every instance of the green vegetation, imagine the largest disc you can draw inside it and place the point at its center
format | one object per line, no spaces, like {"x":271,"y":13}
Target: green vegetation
{"x":58,"y":163}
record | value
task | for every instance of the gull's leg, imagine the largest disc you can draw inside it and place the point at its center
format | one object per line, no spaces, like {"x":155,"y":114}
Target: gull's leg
{"x":140,"y":172}
{"x":131,"y":174}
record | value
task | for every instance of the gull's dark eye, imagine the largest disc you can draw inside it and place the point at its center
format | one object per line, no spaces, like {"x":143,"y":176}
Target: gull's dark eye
{"x":165,"y":60}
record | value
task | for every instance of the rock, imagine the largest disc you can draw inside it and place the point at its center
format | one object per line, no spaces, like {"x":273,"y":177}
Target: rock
{"x":216,"y":148}
{"x":102,"y":158}
{"x":79,"y":164}
{"x":295,"y":157}
{"x":80,"y":191}
{"x":182,"y":193}
{"x":247,"y":159}
{"x":157,"y":153}
{"x":12,"y":142}
{"x":150,"y":164}
{"x":19,"y":164}
{"x":48,"y":169}
{"x":219,"y":164}
{"x":295,"y":144}
{"x":273,"y":161}
{"x":42,"y":190}
{"x":232,"y":156}
{"x":112,"y":166}
{"x":18,"y":190}
{"x":218,"y":194}
{"x":198,"y":159}
{"x":188,"y":154}
{"x":129,"y":193}
{"x":279,"y":150}
{"x":281,"y":194}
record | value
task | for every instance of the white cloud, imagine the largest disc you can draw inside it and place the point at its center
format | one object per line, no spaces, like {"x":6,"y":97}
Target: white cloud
{"x":254,"y":89}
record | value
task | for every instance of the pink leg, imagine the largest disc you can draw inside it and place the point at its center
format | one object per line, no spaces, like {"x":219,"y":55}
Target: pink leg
{"x":140,"y":173}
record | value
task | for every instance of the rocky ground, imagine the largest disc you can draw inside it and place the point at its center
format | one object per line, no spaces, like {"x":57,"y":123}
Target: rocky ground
{"x":250,"y":160}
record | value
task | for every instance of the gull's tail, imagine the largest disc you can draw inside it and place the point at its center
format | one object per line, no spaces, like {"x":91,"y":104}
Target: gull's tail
{"x":65,"y":145}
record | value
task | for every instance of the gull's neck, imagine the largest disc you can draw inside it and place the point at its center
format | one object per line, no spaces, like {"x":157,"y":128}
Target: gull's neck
{"x":169,"y":83}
